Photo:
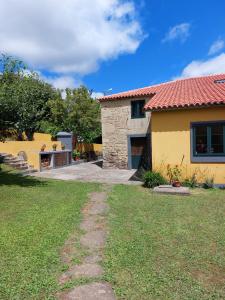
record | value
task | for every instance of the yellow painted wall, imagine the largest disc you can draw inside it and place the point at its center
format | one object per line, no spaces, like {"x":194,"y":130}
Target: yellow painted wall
{"x":43,"y":137}
{"x":31,"y":148}
{"x":89,"y":147}
{"x":171,"y":141}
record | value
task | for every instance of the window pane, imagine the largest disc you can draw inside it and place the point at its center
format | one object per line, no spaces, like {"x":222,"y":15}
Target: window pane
{"x":134,"y":109}
{"x":201,"y":139}
{"x":141,"y":108}
{"x":217,"y":139}
{"x":137,"y":109}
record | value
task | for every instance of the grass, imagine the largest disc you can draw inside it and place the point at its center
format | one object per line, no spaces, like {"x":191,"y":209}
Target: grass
{"x":166,"y":247}
{"x":36,"y":217}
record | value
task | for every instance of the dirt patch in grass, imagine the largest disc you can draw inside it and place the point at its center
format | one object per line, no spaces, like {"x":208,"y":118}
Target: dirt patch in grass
{"x":213,"y":276}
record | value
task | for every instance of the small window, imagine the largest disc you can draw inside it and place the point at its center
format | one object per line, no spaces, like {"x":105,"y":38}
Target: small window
{"x":208,"y":139}
{"x":137,"y":109}
{"x":219,"y":81}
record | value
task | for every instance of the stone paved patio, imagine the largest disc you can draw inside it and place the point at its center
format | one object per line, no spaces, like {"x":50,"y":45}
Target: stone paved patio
{"x":91,"y":172}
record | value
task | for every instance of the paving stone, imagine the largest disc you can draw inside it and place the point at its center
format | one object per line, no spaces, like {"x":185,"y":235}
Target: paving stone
{"x":93,"y":291}
{"x":89,"y":223}
{"x":169,"y":189}
{"x":93,"y":258}
{"x":98,"y":196}
{"x":98,"y":208}
{"x":94,"y":239}
{"x":87,"y":270}
{"x":90,"y":172}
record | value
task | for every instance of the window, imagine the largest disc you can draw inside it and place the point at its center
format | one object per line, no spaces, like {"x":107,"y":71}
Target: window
{"x":137,"y":109}
{"x":219,"y":81}
{"x":208,"y":139}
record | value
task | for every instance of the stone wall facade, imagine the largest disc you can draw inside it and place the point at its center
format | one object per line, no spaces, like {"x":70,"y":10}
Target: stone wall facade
{"x":117,"y":125}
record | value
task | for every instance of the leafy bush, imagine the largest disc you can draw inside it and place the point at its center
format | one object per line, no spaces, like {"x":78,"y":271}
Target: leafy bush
{"x":191,"y":181}
{"x":174,"y":173}
{"x":153,"y":179}
{"x":208,"y":183}
{"x":76,"y":153}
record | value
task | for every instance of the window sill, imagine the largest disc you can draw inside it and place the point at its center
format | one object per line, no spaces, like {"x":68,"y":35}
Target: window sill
{"x":208,"y":159}
{"x":137,"y":117}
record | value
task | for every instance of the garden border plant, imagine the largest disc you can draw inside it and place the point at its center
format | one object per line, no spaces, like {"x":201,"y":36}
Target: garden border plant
{"x":153,"y":179}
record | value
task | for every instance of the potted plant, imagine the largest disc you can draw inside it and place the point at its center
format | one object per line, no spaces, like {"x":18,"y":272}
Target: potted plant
{"x":54,"y":146}
{"x":63,"y":147}
{"x":174,"y":174}
{"x":76,"y":155}
{"x":43,"y":148}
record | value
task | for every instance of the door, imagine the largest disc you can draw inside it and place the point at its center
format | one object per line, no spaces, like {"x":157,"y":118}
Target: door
{"x":140,"y":154}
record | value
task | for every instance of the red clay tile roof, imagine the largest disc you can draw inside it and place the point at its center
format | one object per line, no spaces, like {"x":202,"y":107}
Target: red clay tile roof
{"x":199,"y":91}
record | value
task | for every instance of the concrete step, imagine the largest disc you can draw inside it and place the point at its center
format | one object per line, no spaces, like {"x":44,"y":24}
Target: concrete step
{"x":6,"y":155}
{"x":17,"y":164}
{"x":28,"y":171}
{"x":13,"y":158}
{"x":14,"y":161}
{"x":21,"y":167}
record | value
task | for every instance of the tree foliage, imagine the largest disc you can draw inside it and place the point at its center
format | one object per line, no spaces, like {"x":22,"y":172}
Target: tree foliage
{"x":28,"y":104}
{"x":23,"y":98}
{"x":77,"y":113}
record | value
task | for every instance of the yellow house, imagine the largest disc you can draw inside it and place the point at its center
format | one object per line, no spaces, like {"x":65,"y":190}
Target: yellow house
{"x":187,"y":125}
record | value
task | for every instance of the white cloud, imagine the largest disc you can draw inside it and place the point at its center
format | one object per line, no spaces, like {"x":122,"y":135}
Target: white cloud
{"x":62,"y":82}
{"x":196,"y":68}
{"x":216,"y":47}
{"x":70,"y":36}
{"x":180,"y":32}
{"x":97,"y":95}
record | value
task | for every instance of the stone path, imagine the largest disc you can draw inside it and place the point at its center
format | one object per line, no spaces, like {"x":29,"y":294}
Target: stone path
{"x":93,"y":240}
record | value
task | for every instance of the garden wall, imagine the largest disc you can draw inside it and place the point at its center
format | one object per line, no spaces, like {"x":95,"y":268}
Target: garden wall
{"x":31,"y":149}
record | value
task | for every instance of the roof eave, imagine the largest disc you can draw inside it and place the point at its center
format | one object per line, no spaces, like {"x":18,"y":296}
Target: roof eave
{"x":125,"y":97}
{"x":158,"y":109}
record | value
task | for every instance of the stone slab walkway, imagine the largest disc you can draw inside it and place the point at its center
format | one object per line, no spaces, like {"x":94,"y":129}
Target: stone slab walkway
{"x":94,"y":227}
{"x":90,"y":172}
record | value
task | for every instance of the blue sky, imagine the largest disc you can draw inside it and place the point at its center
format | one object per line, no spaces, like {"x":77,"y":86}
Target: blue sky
{"x":118,"y":44}
{"x":155,"y":61}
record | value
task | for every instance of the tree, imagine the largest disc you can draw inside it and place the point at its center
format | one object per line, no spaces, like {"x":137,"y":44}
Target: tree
{"x":10,"y":72}
{"x":78,"y":113}
{"x":34,"y":94}
{"x":23,"y":98}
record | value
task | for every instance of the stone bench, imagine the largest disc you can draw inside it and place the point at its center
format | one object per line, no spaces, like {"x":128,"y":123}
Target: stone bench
{"x":169,"y":189}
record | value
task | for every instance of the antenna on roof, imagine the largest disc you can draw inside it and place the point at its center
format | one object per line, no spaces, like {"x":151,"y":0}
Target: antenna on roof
{"x":107,"y":92}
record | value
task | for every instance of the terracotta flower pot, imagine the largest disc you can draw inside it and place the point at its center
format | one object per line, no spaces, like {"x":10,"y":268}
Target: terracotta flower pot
{"x":176,"y":183}
{"x":43,"y":148}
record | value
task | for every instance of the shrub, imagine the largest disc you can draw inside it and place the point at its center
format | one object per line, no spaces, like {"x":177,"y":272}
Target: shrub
{"x":76,"y":153}
{"x":191,"y":181}
{"x":208,"y":183}
{"x":174,"y":173}
{"x":153,"y":179}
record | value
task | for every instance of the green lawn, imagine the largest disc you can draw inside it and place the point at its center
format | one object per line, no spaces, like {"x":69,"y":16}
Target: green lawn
{"x":166,"y":247}
{"x":36,"y":217}
{"x":159,"y":247}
